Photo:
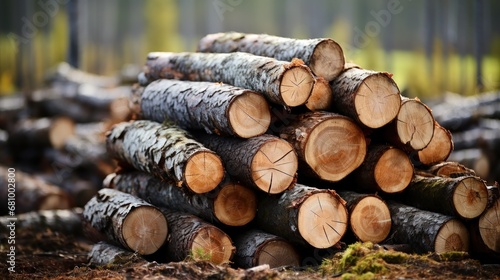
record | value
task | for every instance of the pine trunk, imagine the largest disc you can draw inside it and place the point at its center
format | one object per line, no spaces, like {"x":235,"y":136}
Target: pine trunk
{"x":255,"y":247}
{"x":229,"y":204}
{"x":304,"y":215}
{"x":192,"y":238}
{"x":385,"y":168}
{"x":369,"y":216}
{"x":371,"y":98}
{"x":284,"y":83}
{"x":438,"y":149}
{"x":65,"y":221}
{"x":127,"y":220}
{"x":213,"y":107}
{"x":427,"y":231}
{"x":324,"y":56}
{"x":264,"y":162}
{"x":465,"y":197}
{"x":329,"y":146}
{"x":105,"y":254}
{"x":167,"y":152}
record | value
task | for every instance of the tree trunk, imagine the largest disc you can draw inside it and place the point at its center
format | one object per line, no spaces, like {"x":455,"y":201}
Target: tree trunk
{"x":265,"y":162}
{"x":30,"y":193}
{"x":255,"y":247}
{"x":324,"y":56}
{"x":105,"y":254}
{"x":41,"y":133}
{"x":465,"y":197}
{"x":190,"y":237}
{"x":385,"y":168}
{"x":127,"y":220}
{"x":329,"y":146}
{"x":167,"y":152}
{"x":371,"y":98}
{"x":321,"y":96}
{"x":369,"y":216}
{"x":489,"y":226}
{"x":450,"y":169}
{"x":229,"y":204}
{"x":65,"y":221}
{"x":284,"y":83}
{"x":438,"y":149}
{"x":427,"y":231}
{"x":213,"y":107}
{"x":90,"y":152}
{"x":304,"y":215}
{"x":65,"y":73}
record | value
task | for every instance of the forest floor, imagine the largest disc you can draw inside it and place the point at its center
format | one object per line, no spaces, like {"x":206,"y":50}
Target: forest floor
{"x":49,"y":255}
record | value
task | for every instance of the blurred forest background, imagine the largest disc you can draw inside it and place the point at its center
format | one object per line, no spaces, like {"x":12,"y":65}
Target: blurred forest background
{"x":430,"y":46}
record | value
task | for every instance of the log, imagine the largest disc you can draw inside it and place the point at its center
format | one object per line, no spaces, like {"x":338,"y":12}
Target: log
{"x":41,"y":133}
{"x":324,"y":56}
{"x":264,"y":162}
{"x":321,"y":96}
{"x":474,"y":159}
{"x":304,"y":215}
{"x":450,"y":169}
{"x":488,"y":139}
{"x":30,"y":193}
{"x":12,"y":108}
{"x":192,"y":238}
{"x":255,"y":247}
{"x":166,"y":151}
{"x":413,"y":127}
{"x":230,"y":203}
{"x":66,"y":73}
{"x":64,"y":221}
{"x":213,"y":107}
{"x":438,"y":149}
{"x":127,"y":220}
{"x":105,"y":254}
{"x":281,"y":82}
{"x":369,"y":216}
{"x":385,"y":168}
{"x":370,"y":98}
{"x":465,"y":197}
{"x":427,"y":231}
{"x":329,"y":146}
{"x":489,"y":226}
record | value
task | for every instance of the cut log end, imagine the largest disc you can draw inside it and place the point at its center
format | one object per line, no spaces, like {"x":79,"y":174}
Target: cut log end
{"x":249,"y":115}
{"x":327,"y":59}
{"x":322,"y":220}
{"x":321,"y":96}
{"x":439,"y":148}
{"x":371,"y":220}
{"x":235,"y":205}
{"x":277,"y":253}
{"x":397,"y":162}
{"x":377,"y":101}
{"x":470,"y":197}
{"x":452,"y":236}
{"x":489,"y":227}
{"x":415,"y":124}
{"x":213,"y":245}
{"x":145,"y":230}
{"x":274,"y":166}
{"x":335,"y":148}
{"x":61,"y":130}
{"x":204,"y":171}
{"x":296,"y":86}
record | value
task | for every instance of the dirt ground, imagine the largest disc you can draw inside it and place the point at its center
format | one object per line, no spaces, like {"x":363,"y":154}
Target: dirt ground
{"x":50,"y":255}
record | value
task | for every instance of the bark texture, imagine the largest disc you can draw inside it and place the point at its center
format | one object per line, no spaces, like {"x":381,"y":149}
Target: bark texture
{"x":324,"y":56}
{"x":105,"y":254}
{"x":215,"y":108}
{"x":304,"y":215}
{"x":284,"y":83}
{"x":166,"y":151}
{"x":450,"y":169}
{"x":127,"y":220}
{"x":64,"y":221}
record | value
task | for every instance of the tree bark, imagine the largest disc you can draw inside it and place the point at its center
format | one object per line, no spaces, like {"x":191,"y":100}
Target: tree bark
{"x":324,"y":56}
{"x":255,"y":247}
{"x":41,"y":133}
{"x":385,"y":168}
{"x":438,"y":149}
{"x":321,"y":96}
{"x":213,"y":107}
{"x":284,"y":83}
{"x":369,"y":216}
{"x":64,"y":221}
{"x":329,"y":146}
{"x":371,"y":98}
{"x":450,"y":169}
{"x":167,"y":152}
{"x":229,"y":204}
{"x":30,"y":193}
{"x":264,"y":162}
{"x":105,"y":254}
{"x":304,"y":215}
{"x":465,"y":197}
{"x":190,"y":237}
{"x":127,"y":220}
{"x":427,"y":231}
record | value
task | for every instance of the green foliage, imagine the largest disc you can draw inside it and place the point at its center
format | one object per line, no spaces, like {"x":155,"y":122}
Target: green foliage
{"x":162,"y":25}
{"x":199,"y":254}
